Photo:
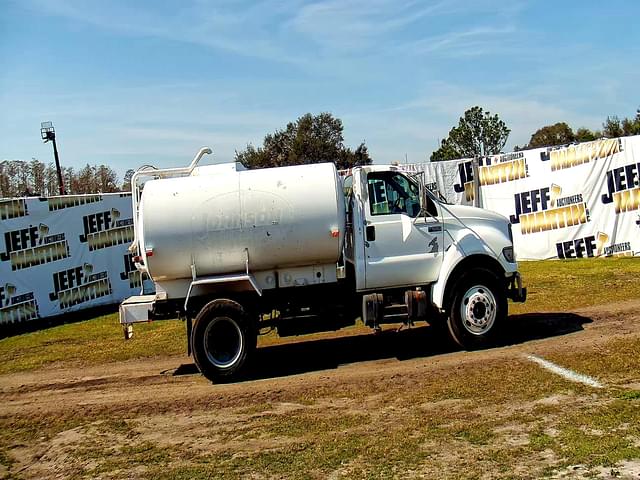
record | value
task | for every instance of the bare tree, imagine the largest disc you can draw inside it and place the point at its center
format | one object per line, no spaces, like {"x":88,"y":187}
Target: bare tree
{"x":19,"y":178}
{"x":126,"y":183}
{"x":106,"y":179}
{"x":37,"y":176}
{"x":51,"y":181}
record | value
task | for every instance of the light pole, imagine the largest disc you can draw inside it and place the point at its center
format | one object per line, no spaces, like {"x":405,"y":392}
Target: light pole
{"x":49,"y":133}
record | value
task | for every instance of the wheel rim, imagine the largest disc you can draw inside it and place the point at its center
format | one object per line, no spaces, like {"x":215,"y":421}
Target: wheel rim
{"x":223,"y":342}
{"x":478,"y":310}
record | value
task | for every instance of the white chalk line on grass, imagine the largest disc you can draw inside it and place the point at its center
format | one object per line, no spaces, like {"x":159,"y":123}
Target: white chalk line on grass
{"x":565,"y":372}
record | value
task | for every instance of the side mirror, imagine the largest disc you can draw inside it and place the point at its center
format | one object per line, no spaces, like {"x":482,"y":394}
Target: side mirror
{"x":424,"y":204}
{"x":428,"y":205}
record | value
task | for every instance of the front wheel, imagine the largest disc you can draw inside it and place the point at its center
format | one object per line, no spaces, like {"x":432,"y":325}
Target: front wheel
{"x":478,"y":309}
{"x":223,"y":338}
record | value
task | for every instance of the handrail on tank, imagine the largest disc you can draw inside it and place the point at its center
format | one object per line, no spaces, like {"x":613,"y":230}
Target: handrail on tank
{"x":160,"y":172}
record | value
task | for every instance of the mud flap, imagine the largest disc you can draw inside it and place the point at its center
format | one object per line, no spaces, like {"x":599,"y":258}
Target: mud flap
{"x":516,"y":291}
{"x":189,"y":323}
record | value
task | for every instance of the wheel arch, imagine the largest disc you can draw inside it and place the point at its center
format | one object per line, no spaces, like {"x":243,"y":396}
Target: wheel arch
{"x":441,"y":291}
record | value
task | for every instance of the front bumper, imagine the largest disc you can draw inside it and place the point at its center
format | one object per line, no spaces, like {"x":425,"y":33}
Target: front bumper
{"x":515,"y":290}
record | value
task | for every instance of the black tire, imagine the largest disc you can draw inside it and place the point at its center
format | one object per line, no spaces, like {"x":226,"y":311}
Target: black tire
{"x":477,"y":310}
{"x":223,"y":339}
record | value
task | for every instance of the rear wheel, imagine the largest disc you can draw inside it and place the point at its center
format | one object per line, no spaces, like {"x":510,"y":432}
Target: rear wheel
{"x":223,"y":339}
{"x":477,"y":310}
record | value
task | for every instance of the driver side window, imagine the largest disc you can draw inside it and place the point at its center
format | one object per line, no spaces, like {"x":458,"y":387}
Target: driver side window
{"x":392,"y":193}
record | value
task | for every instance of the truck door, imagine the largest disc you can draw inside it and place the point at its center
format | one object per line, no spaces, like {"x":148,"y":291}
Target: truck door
{"x":402,"y":246}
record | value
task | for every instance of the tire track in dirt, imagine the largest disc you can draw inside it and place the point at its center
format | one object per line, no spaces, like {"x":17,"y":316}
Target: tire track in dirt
{"x":166,"y":402}
{"x":407,"y":354}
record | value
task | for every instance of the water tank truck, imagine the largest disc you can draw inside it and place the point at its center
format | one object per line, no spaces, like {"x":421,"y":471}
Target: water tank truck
{"x":304,"y":249}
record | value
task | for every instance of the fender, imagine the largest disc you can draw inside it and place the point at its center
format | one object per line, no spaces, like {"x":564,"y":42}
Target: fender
{"x":247,"y":280}
{"x":468,"y":249}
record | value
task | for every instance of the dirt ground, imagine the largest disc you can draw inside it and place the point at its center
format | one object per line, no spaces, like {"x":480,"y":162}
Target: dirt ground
{"x":397,"y":404}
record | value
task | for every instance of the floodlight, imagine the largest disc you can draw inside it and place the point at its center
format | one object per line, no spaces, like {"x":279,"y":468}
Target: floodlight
{"x":47,"y":132}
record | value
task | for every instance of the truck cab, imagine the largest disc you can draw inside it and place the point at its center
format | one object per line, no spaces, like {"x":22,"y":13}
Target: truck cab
{"x":402,"y":240}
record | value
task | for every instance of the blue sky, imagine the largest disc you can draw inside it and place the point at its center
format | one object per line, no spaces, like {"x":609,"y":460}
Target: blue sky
{"x":131,"y":83}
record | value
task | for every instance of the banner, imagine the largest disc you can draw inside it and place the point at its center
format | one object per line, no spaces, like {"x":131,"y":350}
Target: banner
{"x":565,"y":202}
{"x":62,"y":254}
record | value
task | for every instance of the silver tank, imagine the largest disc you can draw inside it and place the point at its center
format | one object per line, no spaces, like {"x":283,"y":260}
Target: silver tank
{"x":278,"y":217}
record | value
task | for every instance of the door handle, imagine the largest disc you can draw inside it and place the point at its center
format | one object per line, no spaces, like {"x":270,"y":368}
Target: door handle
{"x":371,"y":233}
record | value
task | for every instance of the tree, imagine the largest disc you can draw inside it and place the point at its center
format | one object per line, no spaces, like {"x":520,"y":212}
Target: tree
{"x":310,"y":139}
{"x":446,"y":152}
{"x":85,"y":181}
{"x":7,"y":174}
{"x":583,"y":134}
{"x":23,"y":177}
{"x":478,"y":134}
{"x":71,"y":181}
{"x":20,"y":178}
{"x":126,"y":182}
{"x":631,"y":126}
{"x":350,"y":158}
{"x":106,"y":179}
{"x":557,"y":134}
{"x":51,"y":181}
{"x":561,"y":134}
{"x":612,"y":127}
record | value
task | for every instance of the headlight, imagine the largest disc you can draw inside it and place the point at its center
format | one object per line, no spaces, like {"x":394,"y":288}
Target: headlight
{"x":508,"y":254}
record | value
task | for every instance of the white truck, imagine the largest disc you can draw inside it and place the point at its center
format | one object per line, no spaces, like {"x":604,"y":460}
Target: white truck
{"x":303,"y":249}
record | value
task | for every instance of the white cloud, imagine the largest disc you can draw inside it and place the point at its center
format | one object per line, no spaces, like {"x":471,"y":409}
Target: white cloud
{"x":377,"y":64}
{"x":473,"y":42}
{"x":229,"y":28}
{"x":307,"y":35}
{"x":358,"y":24}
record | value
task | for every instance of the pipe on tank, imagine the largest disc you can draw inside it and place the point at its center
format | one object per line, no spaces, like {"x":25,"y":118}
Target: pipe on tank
{"x":162,"y":172}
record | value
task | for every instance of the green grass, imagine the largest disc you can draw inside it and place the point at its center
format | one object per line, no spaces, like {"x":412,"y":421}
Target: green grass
{"x":561,"y":285}
{"x":539,"y":440}
{"x":552,"y":286}
{"x":393,"y":427}
{"x":309,"y":423}
{"x":462,"y":442}
{"x":95,"y":341}
{"x":630,"y":395}
{"x":400,"y":430}
{"x":618,"y":358}
{"x":601,"y":435}
{"x":5,"y":459}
